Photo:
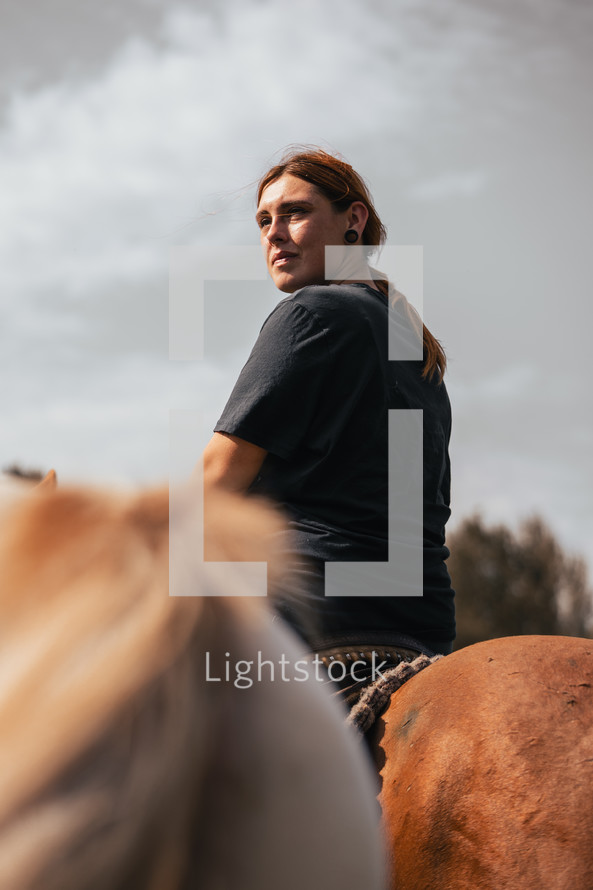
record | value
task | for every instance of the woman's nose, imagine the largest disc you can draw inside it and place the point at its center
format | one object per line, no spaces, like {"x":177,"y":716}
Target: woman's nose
{"x":277,"y":229}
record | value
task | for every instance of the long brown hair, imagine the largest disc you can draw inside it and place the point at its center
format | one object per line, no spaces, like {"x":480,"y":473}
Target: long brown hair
{"x":342,"y":185}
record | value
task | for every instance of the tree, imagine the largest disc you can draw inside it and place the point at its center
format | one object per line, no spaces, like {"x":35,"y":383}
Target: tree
{"x":521,"y":583}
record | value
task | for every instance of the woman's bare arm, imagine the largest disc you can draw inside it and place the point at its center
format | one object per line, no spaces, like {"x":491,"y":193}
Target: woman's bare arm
{"x":231,"y":463}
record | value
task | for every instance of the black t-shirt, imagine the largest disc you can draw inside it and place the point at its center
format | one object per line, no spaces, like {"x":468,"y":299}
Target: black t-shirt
{"x":315,"y":394}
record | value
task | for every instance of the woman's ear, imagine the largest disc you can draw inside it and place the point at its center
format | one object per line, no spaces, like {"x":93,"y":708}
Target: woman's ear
{"x":358,"y":215}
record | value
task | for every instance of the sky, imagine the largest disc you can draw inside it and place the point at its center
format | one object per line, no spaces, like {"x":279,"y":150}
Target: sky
{"x":130,"y":128}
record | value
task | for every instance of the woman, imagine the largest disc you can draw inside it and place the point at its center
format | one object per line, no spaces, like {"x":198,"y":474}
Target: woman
{"x":307,"y":421}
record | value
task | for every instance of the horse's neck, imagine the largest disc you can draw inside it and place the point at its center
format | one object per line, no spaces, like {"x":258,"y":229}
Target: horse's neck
{"x":288,"y":763}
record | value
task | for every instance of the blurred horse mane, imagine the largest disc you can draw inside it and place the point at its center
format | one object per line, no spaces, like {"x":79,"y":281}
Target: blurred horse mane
{"x":102,"y":696}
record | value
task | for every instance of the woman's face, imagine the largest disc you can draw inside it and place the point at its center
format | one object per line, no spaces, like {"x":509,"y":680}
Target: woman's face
{"x":296,"y":223}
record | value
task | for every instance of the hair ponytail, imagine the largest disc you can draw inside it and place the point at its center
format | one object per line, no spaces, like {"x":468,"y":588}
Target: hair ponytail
{"x":434,"y":358}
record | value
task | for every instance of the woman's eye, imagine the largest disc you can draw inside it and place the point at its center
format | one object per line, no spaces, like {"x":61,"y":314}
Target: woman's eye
{"x":265,"y":221}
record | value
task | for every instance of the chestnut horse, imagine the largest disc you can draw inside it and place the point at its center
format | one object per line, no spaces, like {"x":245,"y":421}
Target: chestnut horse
{"x":486,"y":769}
{"x":128,"y":761}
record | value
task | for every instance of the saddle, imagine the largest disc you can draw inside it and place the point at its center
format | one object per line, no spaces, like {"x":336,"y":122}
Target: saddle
{"x":354,"y":662}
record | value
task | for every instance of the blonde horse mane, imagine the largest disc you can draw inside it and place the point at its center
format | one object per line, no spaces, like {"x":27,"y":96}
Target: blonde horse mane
{"x":105,"y":718}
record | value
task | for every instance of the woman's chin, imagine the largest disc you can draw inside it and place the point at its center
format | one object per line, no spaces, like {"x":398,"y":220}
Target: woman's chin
{"x":286,"y":283}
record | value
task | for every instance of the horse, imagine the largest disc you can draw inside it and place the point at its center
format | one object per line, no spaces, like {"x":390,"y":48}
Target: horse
{"x":134,"y":752}
{"x":485,"y":761}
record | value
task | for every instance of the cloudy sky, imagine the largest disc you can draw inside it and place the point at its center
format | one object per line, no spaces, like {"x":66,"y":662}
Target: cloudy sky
{"x":129,"y":128}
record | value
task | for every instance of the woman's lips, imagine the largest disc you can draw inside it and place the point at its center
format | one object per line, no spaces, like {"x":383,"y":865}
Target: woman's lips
{"x":282,"y":257}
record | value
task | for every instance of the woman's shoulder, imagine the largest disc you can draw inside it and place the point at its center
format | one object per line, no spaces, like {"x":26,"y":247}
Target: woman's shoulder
{"x":338,"y":311}
{"x":339,"y":301}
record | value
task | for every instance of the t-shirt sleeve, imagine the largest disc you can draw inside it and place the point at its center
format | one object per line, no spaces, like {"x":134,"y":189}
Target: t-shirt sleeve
{"x":277,"y":392}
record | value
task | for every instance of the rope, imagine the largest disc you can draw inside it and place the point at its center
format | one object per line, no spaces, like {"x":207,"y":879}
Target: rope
{"x":375,"y":698}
